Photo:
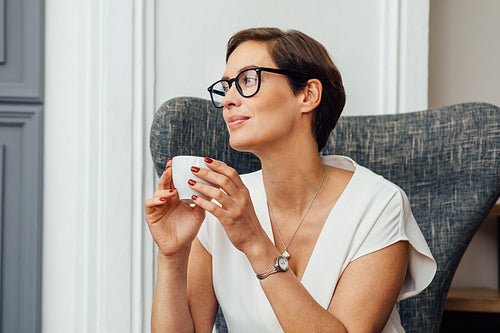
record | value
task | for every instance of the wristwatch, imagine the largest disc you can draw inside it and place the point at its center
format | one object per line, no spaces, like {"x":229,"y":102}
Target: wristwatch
{"x":280,"y":266}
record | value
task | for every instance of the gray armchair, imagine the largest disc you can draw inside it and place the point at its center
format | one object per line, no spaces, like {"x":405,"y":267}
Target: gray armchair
{"x":446,"y":159}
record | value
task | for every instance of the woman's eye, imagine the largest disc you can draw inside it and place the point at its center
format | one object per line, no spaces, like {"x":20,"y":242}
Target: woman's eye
{"x":249,"y":80}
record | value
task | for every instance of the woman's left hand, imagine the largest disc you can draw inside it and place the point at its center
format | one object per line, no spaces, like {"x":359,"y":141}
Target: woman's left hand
{"x":236,"y":213}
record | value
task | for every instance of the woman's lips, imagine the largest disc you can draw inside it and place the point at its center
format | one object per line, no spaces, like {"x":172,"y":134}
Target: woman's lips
{"x":236,"y":120}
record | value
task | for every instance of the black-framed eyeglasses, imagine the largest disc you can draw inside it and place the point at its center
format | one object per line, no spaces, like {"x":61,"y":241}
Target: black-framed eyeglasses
{"x":247,"y":83}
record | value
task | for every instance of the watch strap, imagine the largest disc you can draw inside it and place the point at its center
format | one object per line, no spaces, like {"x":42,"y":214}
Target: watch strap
{"x":266,"y":274}
{"x":276,"y":268}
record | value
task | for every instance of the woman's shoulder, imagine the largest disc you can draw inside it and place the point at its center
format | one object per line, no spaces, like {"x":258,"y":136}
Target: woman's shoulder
{"x":360,"y":177}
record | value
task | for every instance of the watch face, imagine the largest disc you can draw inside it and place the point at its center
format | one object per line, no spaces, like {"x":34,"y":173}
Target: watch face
{"x":283,"y":263}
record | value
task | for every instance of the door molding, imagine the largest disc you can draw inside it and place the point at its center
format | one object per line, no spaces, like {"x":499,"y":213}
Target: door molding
{"x":21,"y":51}
{"x":21,"y":138}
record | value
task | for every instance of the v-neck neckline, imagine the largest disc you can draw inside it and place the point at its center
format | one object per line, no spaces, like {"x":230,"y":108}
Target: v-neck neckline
{"x":334,"y":161}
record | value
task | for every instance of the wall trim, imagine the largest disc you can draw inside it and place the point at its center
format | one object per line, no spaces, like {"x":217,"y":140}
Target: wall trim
{"x":103,"y":111}
{"x":403,"y":56}
{"x":118,"y":248}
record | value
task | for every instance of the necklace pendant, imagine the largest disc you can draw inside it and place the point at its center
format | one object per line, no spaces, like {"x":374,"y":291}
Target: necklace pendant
{"x":286,"y":254}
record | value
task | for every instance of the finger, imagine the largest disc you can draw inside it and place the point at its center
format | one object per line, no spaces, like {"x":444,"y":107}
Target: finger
{"x":165,"y":181}
{"x":171,"y":183}
{"x":220,"y":180}
{"x":151,"y":204}
{"x":165,"y":193}
{"x":209,"y":206}
{"x":211,"y":192}
{"x":169,"y":165}
{"x":162,"y":197}
{"x":224,"y":169}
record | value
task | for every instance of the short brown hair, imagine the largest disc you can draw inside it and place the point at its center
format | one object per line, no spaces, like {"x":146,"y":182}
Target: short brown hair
{"x":296,"y":51}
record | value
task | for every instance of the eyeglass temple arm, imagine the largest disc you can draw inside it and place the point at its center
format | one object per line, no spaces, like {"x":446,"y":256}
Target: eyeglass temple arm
{"x":217,"y":92}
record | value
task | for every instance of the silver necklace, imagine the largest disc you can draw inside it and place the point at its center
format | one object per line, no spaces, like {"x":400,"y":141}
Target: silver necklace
{"x":285,"y":253}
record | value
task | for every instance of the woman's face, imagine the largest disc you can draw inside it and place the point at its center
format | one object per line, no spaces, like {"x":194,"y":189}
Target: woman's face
{"x":266,"y":119}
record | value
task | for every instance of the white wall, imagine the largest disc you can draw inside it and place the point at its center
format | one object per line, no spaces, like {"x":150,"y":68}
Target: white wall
{"x":464,"y":66}
{"x":464,"y":52}
{"x":380,"y":46}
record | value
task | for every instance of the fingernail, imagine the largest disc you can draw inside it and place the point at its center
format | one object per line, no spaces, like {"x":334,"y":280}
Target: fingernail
{"x":194,"y":197}
{"x":162,"y":199}
{"x":171,"y":190}
{"x":195,"y":169}
{"x":191,"y":182}
{"x":208,"y":160}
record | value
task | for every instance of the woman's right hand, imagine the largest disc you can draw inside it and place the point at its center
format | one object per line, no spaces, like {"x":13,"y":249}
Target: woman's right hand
{"x":173,"y":224}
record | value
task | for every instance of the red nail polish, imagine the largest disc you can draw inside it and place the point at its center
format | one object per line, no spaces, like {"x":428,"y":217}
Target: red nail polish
{"x":195,"y":169}
{"x":191,"y":182}
{"x":171,"y":190}
{"x":162,"y":199}
{"x":194,"y":197}
{"x":208,"y":160}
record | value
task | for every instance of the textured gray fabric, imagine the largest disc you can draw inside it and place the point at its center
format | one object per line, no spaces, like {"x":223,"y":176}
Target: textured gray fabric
{"x":447,"y":160}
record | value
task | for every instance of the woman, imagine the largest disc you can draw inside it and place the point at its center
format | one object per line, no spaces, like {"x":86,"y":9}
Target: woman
{"x":307,"y":244}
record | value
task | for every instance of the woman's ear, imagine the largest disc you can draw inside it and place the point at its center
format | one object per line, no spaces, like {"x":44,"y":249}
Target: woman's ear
{"x":311,"y":95}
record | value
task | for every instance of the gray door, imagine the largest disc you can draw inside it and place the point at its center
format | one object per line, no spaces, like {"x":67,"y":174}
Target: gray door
{"x":21,"y":119}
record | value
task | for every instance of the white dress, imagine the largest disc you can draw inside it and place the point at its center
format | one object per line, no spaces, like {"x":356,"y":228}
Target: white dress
{"x":372,"y":213}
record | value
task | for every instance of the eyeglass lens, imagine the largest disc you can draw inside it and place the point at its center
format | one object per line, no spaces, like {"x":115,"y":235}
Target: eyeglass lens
{"x":247,"y":84}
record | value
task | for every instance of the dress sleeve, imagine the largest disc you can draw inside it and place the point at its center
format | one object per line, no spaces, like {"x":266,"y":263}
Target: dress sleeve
{"x":393,"y":223}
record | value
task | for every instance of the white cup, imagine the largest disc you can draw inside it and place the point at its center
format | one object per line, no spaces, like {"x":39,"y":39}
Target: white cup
{"x":181,"y":173}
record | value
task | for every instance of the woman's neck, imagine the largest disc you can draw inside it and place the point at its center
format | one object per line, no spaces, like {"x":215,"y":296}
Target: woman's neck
{"x":291,"y":180}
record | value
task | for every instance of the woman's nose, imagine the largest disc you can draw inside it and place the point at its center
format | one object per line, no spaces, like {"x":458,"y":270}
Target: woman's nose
{"x":232,"y":97}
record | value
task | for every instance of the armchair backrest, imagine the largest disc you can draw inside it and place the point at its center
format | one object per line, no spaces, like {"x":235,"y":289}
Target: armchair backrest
{"x":446,"y":159}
